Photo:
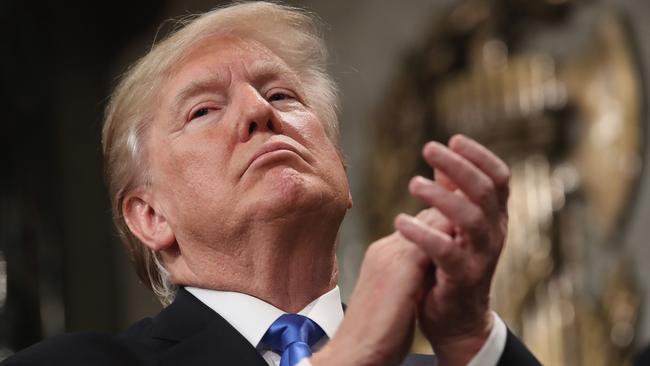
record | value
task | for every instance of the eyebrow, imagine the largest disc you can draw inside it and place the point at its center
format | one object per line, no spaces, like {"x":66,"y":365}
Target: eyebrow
{"x":260,"y":71}
{"x":263,"y":70}
{"x":196,"y":87}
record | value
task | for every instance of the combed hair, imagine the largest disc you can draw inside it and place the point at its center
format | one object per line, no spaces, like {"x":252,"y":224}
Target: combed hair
{"x":291,"y":33}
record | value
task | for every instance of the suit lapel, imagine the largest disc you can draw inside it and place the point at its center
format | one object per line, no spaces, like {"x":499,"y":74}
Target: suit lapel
{"x":200,"y":336}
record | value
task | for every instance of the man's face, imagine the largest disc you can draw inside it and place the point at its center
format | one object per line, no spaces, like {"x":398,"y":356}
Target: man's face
{"x":234,"y":144}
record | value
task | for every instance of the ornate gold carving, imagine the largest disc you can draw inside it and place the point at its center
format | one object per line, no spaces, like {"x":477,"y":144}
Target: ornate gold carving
{"x":565,"y":114}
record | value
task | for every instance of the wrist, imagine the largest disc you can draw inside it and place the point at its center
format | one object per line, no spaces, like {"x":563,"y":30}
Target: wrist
{"x":461,"y":348}
{"x":344,"y":355}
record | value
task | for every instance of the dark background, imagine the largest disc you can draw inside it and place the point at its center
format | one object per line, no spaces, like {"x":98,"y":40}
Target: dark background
{"x":56,"y":231}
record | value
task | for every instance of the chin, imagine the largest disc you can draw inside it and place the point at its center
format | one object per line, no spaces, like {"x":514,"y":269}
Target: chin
{"x":288,"y":183}
{"x":288,"y":191}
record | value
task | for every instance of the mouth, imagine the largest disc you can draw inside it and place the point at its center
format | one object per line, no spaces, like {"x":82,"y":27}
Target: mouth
{"x":270,"y":148}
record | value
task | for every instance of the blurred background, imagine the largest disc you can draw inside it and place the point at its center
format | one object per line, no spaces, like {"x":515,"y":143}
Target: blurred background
{"x":558,"y":88}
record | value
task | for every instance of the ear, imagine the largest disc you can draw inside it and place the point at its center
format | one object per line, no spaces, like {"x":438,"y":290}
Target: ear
{"x":145,"y":222}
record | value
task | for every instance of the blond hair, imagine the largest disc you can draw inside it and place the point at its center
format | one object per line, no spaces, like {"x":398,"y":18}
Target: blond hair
{"x":290,"y":33}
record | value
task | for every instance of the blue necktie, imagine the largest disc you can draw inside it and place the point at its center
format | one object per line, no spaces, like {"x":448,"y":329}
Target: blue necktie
{"x":292,"y":336}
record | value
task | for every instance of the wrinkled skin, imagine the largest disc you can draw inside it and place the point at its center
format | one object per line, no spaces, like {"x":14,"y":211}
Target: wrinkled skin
{"x":222,"y":214}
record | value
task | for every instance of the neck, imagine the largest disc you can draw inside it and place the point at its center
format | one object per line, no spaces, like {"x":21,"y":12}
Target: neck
{"x":285,"y":262}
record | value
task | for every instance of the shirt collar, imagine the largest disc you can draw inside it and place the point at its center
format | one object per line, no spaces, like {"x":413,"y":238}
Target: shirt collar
{"x":252,"y":317}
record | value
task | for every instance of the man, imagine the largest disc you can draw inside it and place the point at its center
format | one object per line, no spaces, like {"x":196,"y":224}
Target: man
{"x":229,"y":189}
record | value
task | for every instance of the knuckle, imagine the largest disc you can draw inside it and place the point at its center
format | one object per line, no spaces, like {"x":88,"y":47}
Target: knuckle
{"x":374,"y":250}
{"x":474,"y":218}
{"x":485,"y":193}
{"x":382,"y":250}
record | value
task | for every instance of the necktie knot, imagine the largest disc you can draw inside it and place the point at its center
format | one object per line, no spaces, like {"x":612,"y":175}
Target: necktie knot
{"x":292,"y":336}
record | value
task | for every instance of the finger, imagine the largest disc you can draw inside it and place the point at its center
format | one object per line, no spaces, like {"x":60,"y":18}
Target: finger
{"x":444,"y":180}
{"x":457,"y":208}
{"x":469,"y":179}
{"x":437,"y":245}
{"x":488,"y":162}
{"x":433,"y":218}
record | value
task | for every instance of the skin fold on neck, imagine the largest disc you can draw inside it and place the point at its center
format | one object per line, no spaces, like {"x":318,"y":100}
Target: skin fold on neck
{"x":287,"y":262}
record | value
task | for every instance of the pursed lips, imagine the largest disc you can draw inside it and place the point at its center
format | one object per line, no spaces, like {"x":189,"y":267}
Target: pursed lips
{"x":271,"y":147}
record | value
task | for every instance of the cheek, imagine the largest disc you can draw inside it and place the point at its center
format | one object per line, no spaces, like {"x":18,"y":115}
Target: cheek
{"x":193,"y":168}
{"x":303,"y":122}
{"x":308,"y":130}
{"x":195,"y":189}
{"x":313,"y":136}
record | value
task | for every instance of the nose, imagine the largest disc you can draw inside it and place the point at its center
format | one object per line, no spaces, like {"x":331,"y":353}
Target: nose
{"x":256,"y":115}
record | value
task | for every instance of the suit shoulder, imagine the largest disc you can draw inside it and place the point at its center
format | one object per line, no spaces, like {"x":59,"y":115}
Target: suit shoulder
{"x":86,"y":348}
{"x":138,"y":330}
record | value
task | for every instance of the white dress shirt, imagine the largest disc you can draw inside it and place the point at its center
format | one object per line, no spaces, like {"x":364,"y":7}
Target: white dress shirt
{"x":252,"y":317}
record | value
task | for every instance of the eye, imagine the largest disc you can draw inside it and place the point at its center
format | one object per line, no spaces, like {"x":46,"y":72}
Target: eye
{"x":201,"y":112}
{"x":279,"y":96}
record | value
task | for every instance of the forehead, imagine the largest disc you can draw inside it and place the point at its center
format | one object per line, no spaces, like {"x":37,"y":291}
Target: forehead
{"x":214,"y":55}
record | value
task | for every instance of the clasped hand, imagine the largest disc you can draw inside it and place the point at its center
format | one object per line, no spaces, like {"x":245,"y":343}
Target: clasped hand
{"x":437,"y":267}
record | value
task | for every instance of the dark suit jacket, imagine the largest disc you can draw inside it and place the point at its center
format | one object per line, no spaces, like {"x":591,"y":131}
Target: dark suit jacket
{"x":643,"y":358}
{"x":186,"y":333}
